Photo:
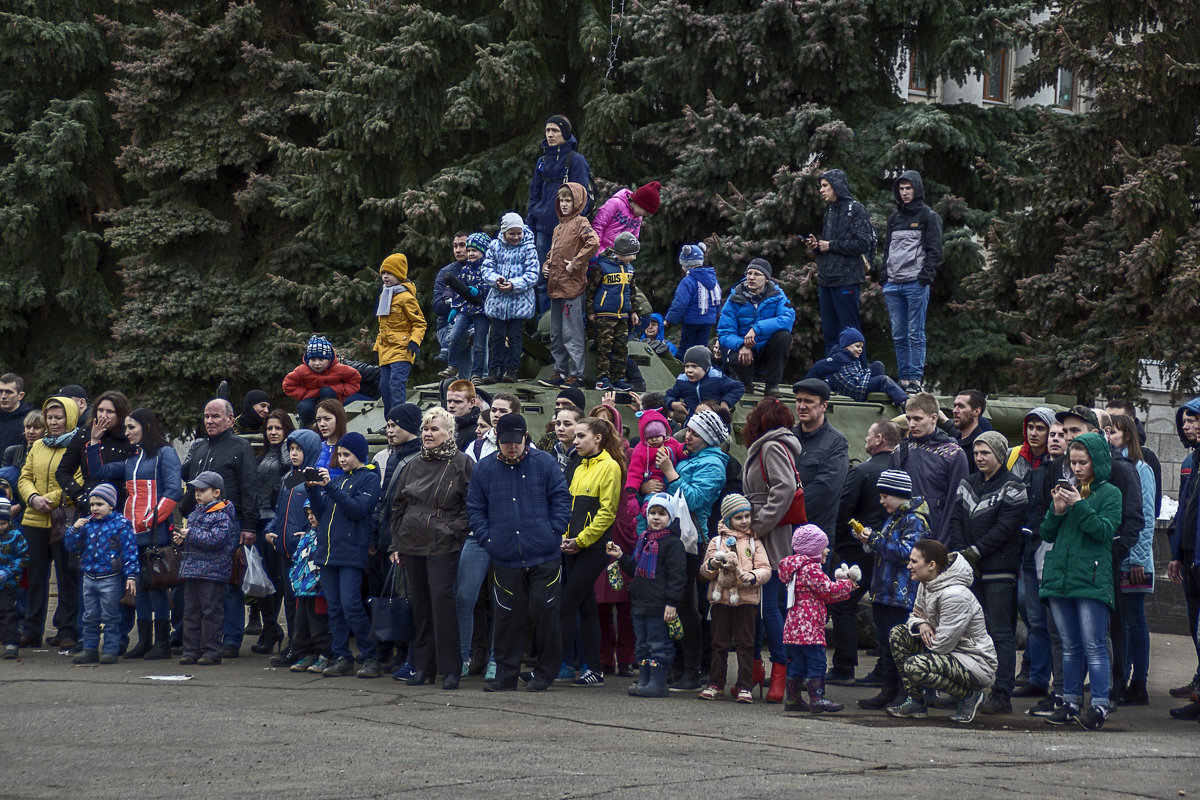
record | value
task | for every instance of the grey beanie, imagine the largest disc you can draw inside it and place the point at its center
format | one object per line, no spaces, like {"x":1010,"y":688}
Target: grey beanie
{"x":763,"y":266}
{"x":699,"y":355}
{"x":998,"y":444}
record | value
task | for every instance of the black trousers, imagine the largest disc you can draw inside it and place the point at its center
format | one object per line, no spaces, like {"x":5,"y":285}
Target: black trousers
{"x":1191,"y":596}
{"x":692,"y":643}
{"x":844,"y":614}
{"x":580,"y":571}
{"x":771,"y":359}
{"x":1116,"y":634}
{"x":310,"y":636}
{"x":435,"y":620}
{"x":41,"y":555}
{"x":518,"y":594}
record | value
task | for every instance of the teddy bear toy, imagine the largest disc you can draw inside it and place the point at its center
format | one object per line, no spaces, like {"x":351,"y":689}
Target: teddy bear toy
{"x":854,"y":573}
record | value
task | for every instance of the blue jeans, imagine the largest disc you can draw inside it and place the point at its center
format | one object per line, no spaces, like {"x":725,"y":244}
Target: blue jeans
{"x":393,"y":383}
{"x":503,"y":359}
{"x":234,"y":625}
{"x":805,"y":661}
{"x":306,"y":409}
{"x":1083,"y":625}
{"x":1037,"y":641}
{"x":343,"y":593}
{"x":907,"y":304}
{"x":458,"y":342}
{"x":102,"y":604}
{"x":880,"y":382}
{"x":1137,"y":635}
{"x":653,"y":643}
{"x":772,"y":617}
{"x":541,"y":243}
{"x":473,"y":563}
{"x":839,"y":309}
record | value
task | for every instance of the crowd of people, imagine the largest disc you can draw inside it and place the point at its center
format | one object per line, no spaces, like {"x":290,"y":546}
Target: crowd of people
{"x":596,"y":551}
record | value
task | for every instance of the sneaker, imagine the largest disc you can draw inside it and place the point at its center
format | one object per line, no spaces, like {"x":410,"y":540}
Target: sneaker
{"x":303,"y":664}
{"x":319,"y":665}
{"x":872,"y":678}
{"x":943,"y":701}
{"x":710,"y":692}
{"x":489,"y":673}
{"x":338,"y":668}
{"x":208,"y":661}
{"x":1189,"y":712}
{"x":448,"y":372}
{"x":465,"y":672}
{"x":554,"y":381}
{"x":909,"y":709}
{"x":477,"y":380}
{"x":744,"y":696}
{"x":490,"y":380}
{"x":839,"y":677}
{"x":1046,"y":706}
{"x":1092,"y":719}
{"x":566,"y":672}
{"x":11,"y":651}
{"x":603,"y":385}
{"x":575,"y":381}
{"x":404,"y":673}
{"x":911,"y":387}
{"x":1186,"y":690}
{"x":508,"y":377}
{"x":589,"y":678}
{"x":371,"y":668}
{"x":497,"y":686}
{"x":998,"y":703}
{"x":1063,"y":714}
{"x":967,"y":708}
{"x":1029,"y":690}
{"x":621,"y":385}
{"x":536,"y":684}
{"x":187,"y":660}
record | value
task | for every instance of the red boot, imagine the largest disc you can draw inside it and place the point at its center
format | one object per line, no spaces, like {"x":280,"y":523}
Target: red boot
{"x":759,"y":677}
{"x":778,"y":683}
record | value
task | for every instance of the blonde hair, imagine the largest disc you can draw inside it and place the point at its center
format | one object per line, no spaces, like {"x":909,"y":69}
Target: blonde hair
{"x":444,"y":418}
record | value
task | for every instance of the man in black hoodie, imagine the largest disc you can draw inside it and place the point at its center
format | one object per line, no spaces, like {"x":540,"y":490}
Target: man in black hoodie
{"x":912,"y":253}
{"x":13,"y":409}
{"x":1182,"y":568}
{"x":846,"y":238}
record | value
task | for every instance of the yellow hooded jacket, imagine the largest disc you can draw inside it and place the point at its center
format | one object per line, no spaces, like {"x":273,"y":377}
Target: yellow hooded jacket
{"x":37,"y":476}
{"x":406,"y":323}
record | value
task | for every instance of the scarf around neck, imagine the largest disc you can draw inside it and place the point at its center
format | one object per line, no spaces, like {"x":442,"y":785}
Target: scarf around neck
{"x":646,"y":553}
{"x":383,"y":306}
{"x":60,"y":441}
{"x":443,"y":452}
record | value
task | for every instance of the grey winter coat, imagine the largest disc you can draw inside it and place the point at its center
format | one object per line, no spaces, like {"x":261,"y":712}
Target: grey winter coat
{"x":948,"y":604}
{"x":771,"y":498}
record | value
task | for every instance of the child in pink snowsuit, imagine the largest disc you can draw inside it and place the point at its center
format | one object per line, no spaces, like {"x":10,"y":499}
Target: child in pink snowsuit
{"x":809,"y":591}
{"x":654,"y":432}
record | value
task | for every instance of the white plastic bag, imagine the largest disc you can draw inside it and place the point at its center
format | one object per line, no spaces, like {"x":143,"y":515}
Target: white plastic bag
{"x":256,"y":583}
{"x":687,"y":524}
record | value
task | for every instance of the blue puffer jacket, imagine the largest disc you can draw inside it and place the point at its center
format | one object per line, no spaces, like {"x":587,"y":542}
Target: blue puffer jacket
{"x":519,"y":265}
{"x":290,"y":518}
{"x":108,"y":546}
{"x":697,"y":298}
{"x":701,"y":476}
{"x":769,"y":315}
{"x":891,"y":585}
{"x":557,"y":166}
{"x":519,"y":512}
{"x":716,"y":385}
{"x":847,"y":227}
{"x":344,"y":511}
{"x":207,"y":552}
{"x":14,"y":556}
{"x":156,"y":483}
{"x":471,"y":274}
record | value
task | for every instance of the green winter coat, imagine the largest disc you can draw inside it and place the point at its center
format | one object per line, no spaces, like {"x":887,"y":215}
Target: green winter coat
{"x":1080,"y":565}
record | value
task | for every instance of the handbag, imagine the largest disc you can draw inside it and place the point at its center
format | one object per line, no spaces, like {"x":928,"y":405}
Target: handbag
{"x":58,"y":525}
{"x":391,"y":612}
{"x":238,"y":570}
{"x":160,"y":567}
{"x":795,"y":515}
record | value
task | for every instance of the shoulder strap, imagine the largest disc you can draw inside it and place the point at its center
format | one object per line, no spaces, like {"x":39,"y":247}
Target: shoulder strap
{"x":787,"y":452}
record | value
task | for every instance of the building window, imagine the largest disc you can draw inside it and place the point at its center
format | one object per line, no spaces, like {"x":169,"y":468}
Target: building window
{"x":1064,"y":95}
{"x":995,"y":79}
{"x":918,"y":73}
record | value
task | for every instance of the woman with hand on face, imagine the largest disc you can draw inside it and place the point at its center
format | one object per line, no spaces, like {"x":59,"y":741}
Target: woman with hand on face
{"x":429,"y":526}
{"x":99,"y":456}
{"x":153,"y":487}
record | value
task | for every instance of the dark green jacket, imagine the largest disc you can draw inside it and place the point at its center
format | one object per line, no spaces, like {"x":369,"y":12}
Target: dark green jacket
{"x":1080,"y":565}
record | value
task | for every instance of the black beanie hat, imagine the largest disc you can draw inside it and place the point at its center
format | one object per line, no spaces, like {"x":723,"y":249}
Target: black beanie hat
{"x":407,"y":416}
{"x":563,"y":124}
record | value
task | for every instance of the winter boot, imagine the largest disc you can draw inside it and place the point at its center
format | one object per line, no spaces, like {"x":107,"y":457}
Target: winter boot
{"x":657,"y":686}
{"x":778,"y":683}
{"x":162,"y":641}
{"x":887,"y":695}
{"x":643,"y":678}
{"x":759,"y":678}
{"x":817,"y":699}
{"x":145,"y":639}
{"x":1135,"y":694}
{"x":793,"y":699}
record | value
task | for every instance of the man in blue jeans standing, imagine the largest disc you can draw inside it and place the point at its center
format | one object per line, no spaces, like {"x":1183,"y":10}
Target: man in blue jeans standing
{"x":912,"y":253}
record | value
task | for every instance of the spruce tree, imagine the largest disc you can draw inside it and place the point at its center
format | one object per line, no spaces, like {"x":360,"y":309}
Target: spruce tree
{"x":1096,"y":273}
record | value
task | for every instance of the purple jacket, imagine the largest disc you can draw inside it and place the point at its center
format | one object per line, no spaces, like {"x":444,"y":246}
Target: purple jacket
{"x":207,"y":552}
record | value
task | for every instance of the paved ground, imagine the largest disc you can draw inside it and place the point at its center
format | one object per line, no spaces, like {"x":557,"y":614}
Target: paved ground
{"x":245,"y":730}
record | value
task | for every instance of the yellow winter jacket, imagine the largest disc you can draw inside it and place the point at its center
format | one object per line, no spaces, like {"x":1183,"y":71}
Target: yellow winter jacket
{"x":595,"y":492}
{"x":37,"y":476}
{"x":406,"y":323}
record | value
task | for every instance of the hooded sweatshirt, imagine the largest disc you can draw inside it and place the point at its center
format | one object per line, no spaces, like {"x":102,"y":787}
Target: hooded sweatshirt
{"x":575,"y":242}
{"x":557,"y":166}
{"x":1080,"y":564}
{"x":290,"y":518}
{"x":405,"y":323}
{"x":1021,"y":460}
{"x":947,"y":603}
{"x":38,"y":472}
{"x":847,"y":227}
{"x":912,"y":247}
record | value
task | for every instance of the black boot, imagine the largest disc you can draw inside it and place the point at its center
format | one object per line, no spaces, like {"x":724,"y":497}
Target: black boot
{"x":887,"y":695}
{"x":657,"y":685}
{"x":145,"y":639}
{"x":643,"y":679}
{"x":162,"y":641}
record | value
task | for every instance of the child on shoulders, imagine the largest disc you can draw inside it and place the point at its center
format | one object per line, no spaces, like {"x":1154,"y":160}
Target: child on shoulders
{"x":109,"y":562}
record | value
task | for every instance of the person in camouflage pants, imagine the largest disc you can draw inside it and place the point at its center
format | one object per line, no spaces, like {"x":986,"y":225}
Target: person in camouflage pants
{"x":612,"y":337}
{"x":920,"y":669}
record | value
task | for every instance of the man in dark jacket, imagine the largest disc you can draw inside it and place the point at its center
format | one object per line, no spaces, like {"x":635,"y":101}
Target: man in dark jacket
{"x":1183,"y":568}
{"x":231,"y":457}
{"x":934,"y":461}
{"x":442,"y":294}
{"x":860,"y":501}
{"x":985,"y":527}
{"x":755,"y":327}
{"x":912,"y":253}
{"x":968,"y":421}
{"x":846,"y":238}
{"x":560,"y":162}
{"x":519,"y":507}
{"x":13,"y":409}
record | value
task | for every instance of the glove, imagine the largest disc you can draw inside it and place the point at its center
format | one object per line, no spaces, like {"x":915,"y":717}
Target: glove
{"x":452,"y":315}
{"x":474,"y":291}
{"x":414,"y":348}
{"x":856,"y":573}
{"x":842,"y":572}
